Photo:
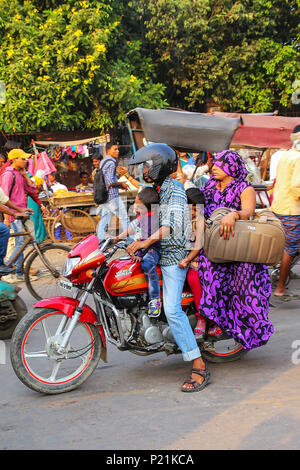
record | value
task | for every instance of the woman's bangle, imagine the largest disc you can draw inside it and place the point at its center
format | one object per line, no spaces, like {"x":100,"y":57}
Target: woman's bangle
{"x":238,"y":214}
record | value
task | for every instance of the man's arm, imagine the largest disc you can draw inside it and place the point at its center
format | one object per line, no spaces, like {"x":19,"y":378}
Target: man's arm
{"x":109,"y":175}
{"x":16,"y":208}
{"x":14,"y":212}
{"x":162,"y":232}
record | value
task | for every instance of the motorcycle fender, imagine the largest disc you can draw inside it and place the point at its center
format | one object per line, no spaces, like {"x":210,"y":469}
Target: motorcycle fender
{"x":67,"y":305}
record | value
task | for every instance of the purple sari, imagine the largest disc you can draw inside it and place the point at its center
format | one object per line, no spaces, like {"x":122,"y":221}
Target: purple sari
{"x":234,"y":295}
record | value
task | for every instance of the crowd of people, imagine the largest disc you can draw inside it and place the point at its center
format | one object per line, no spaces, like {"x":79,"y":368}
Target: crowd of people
{"x":177,"y":194}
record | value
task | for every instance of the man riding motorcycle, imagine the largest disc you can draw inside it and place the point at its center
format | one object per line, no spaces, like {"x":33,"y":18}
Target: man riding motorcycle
{"x":160,"y":161}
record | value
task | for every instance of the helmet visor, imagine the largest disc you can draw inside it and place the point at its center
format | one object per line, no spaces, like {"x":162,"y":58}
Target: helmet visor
{"x":146,"y":166}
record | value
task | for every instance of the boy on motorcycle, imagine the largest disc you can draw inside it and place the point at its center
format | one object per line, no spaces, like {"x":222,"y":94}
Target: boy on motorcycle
{"x":143,"y":226}
{"x":174,"y":221}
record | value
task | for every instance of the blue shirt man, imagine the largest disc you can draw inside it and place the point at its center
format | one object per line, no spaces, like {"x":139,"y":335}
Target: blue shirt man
{"x":114,"y":204}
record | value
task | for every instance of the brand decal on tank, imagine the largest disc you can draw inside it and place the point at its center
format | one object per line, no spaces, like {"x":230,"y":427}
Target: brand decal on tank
{"x":125,"y":272}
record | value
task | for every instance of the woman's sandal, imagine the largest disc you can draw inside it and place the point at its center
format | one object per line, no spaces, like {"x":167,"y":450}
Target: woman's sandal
{"x":197,"y":387}
{"x":199,"y":331}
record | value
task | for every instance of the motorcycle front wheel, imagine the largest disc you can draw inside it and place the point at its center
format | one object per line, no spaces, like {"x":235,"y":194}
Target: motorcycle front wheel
{"x":35,"y":355}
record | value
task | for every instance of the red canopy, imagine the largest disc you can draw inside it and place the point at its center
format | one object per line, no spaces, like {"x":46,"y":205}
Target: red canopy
{"x":263,"y":131}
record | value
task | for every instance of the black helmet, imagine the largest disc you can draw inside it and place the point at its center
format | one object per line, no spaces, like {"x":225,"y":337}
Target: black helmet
{"x":161,"y":160}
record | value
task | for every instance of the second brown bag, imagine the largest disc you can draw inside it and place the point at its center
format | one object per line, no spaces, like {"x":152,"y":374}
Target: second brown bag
{"x":259,"y":240}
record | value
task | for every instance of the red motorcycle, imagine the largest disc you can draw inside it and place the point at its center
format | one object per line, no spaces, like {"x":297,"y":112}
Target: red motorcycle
{"x":58,"y":344}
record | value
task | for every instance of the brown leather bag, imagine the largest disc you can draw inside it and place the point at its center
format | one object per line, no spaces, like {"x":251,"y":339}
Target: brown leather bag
{"x":258,"y":240}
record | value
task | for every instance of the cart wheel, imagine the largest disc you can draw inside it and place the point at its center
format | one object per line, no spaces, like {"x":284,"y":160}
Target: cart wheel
{"x":58,"y":233}
{"x":78,"y":222}
{"x":48,"y":225}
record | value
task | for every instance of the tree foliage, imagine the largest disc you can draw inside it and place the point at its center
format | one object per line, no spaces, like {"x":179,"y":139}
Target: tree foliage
{"x":64,"y":68}
{"x":84,"y":64}
{"x":241,"y":54}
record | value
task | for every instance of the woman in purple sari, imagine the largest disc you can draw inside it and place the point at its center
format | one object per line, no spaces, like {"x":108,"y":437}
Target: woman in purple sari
{"x":235,"y":296}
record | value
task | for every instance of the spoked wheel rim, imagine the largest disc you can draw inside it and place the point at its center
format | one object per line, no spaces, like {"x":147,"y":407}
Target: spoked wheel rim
{"x":40,"y":354}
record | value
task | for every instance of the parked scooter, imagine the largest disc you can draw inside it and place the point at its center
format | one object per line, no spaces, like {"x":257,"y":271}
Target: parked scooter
{"x":12,"y":308}
{"x":57,"y":346}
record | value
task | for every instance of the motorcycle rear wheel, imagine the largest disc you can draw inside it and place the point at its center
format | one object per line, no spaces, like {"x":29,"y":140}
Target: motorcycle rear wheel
{"x":224,"y":351}
{"x":35,"y":358}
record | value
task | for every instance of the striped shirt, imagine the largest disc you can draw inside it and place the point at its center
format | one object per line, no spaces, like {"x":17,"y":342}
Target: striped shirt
{"x":110,"y":176}
{"x":174,"y":213}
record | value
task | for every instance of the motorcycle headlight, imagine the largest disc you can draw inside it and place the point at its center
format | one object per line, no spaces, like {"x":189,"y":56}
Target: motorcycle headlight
{"x":69,"y":265}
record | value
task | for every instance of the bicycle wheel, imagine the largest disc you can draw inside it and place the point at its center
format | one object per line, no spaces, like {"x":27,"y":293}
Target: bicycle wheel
{"x":40,"y":280}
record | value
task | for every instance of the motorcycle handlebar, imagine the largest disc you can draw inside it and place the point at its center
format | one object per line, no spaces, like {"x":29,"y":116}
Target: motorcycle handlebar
{"x":110,"y":250}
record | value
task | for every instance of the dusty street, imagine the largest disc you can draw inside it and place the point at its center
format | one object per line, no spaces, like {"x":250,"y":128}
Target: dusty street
{"x":135,"y":402}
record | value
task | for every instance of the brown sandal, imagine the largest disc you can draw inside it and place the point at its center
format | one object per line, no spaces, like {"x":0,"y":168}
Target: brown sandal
{"x":197,"y":387}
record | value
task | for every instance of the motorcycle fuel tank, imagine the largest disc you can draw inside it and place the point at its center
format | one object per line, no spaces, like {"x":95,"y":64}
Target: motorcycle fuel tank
{"x":126,"y":277}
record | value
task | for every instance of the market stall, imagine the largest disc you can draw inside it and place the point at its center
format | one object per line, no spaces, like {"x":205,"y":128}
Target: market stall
{"x":70,"y":217}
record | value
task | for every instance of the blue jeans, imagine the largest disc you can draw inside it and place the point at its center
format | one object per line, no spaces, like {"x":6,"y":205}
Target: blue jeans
{"x":113,"y":207}
{"x":173,"y":282}
{"x":148,"y":264}
{"x":17,"y":227}
{"x":4,"y":236}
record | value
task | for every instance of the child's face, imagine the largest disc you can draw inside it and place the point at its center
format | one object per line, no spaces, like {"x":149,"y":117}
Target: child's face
{"x":139,"y":206}
{"x":195,"y":211}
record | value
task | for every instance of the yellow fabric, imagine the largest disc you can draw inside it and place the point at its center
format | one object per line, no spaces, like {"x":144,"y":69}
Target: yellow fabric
{"x":287,"y":187}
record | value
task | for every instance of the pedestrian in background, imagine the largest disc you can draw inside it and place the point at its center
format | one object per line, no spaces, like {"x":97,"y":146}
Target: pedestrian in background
{"x":15,"y":186}
{"x":114,"y":205}
{"x":286,"y":206}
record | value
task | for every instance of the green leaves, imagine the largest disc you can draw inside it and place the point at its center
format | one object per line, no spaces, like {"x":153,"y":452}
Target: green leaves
{"x":241,"y":54}
{"x":56,"y":61}
{"x":86,"y":63}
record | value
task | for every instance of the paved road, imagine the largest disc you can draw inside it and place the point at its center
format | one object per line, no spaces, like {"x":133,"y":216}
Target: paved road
{"x":135,"y":402}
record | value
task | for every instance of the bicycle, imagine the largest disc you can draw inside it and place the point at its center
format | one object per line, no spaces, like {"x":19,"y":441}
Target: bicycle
{"x":44,"y":260}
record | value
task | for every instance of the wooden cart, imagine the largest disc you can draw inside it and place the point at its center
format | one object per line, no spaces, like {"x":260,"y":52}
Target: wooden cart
{"x":70,"y":219}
